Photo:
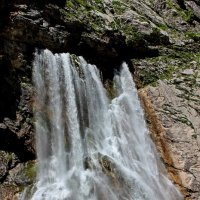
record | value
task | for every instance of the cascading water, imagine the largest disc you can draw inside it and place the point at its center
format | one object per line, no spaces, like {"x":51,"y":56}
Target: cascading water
{"x":90,"y":147}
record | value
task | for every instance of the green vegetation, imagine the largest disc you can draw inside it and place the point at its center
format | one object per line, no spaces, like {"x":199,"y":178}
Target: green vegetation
{"x":194,"y":36}
{"x":86,"y":5}
{"x":76,"y":62}
{"x":119,"y":7}
{"x":151,"y":77}
{"x":164,"y":67}
{"x":186,"y":15}
{"x":8,"y":157}
{"x":109,"y":88}
{"x":162,"y":26}
{"x":30,"y":170}
{"x":159,"y":68}
{"x":92,"y":16}
{"x":194,"y":136}
{"x":86,"y":13}
{"x":184,"y":120}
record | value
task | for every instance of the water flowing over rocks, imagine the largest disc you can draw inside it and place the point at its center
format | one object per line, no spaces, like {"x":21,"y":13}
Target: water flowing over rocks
{"x":84,"y":145}
{"x":159,"y":39}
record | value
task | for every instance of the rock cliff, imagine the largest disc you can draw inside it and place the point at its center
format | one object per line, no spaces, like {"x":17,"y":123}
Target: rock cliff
{"x":160,"y":41}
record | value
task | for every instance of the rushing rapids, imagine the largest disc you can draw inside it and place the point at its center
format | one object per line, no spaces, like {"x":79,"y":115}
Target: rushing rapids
{"x":91,"y":147}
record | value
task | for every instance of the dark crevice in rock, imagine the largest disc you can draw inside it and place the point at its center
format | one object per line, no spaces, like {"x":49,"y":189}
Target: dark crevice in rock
{"x":195,"y":18}
{"x":9,"y":89}
{"x":3,"y":12}
{"x":3,"y":178}
{"x":107,"y":58}
{"x":181,"y":3}
{"x":34,"y":3}
{"x":11,"y":143}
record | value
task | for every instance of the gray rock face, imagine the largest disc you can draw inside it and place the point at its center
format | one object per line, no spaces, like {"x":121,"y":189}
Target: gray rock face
{"x":180,"y":119}
{"x":115,"y":30}
{"x":175,"y":103}
{"x":195,"y":6}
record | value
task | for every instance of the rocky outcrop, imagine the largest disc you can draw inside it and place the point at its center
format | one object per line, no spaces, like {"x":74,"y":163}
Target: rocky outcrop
{"x":158,"y":38}
{"x":179,"y":146}
{"x":171,"y":103}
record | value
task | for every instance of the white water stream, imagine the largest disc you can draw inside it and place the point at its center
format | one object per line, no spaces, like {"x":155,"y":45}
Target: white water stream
{"x":91,"y":147}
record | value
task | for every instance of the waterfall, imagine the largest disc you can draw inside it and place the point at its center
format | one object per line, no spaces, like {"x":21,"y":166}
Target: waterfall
{"x":89,"y":146}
